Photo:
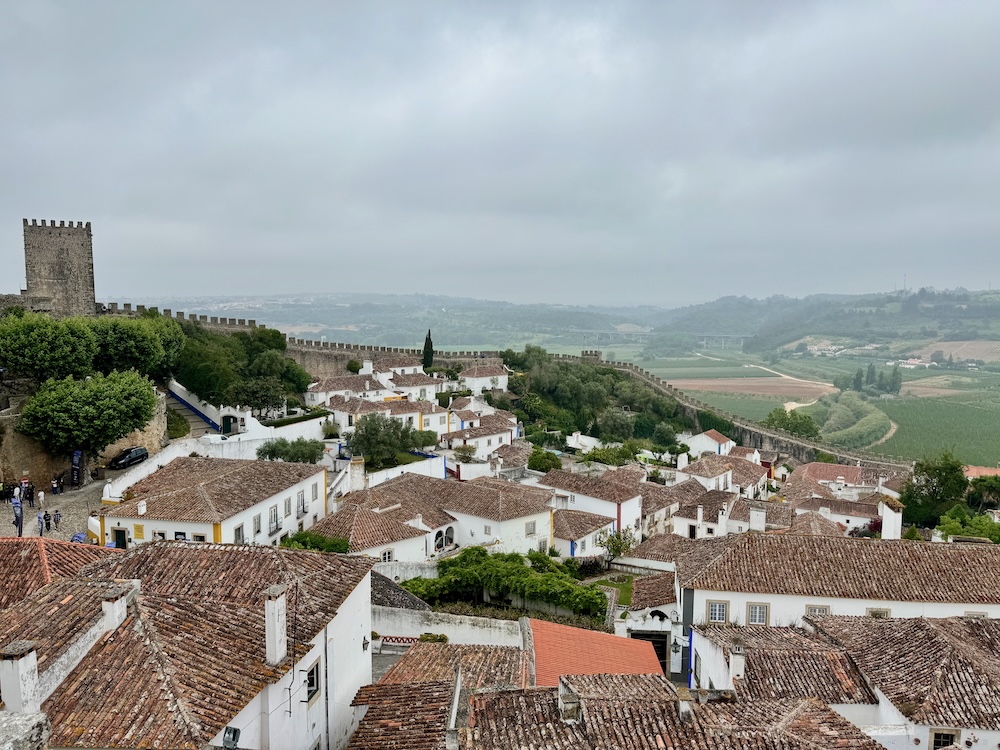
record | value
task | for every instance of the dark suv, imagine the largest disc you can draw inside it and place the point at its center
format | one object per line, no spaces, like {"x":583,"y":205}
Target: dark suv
{"x":128,"y":457}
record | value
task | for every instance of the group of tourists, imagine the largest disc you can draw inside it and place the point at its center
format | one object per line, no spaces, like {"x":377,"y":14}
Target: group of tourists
{"x":22,"y":493}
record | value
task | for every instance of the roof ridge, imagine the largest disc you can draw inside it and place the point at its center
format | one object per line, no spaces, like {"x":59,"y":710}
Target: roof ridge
{"x":43,"y":555}
{"x":206,"y":496}
{"x":166,"y":671}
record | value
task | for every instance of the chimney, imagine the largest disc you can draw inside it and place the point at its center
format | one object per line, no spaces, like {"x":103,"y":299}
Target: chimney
{"x":368,"y":385}
{"x":758,"y":518}
{"x":275,"y":624}
{"x":684,"y":700}
{"x":19,"y":678}
{"x":892,"y":520}
{"x":682,"y":461}
{"x":737,"y":662}
{"x":569,"y":703}
{"x":701,"y":515}
{"x":357,"y":480}
{"x":115,"y":604}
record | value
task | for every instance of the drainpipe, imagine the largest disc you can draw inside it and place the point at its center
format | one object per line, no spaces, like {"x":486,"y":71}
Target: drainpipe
{"x":326,"y":682}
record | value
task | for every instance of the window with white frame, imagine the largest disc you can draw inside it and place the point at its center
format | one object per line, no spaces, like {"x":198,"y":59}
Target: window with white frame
{"x":878,"y":612}
{"x":387,"y":556}
{"x":976,"y":615}
{"x":583,"y":545}
{"x":273,"y":520}
{"x":817,"y":610}
{"x":718,"y":612}
{"x":427,"y":422}
{"x":315,"y":490}
{"x":288,"y":506}
{"x":757,"y":614}
{"x":529,"y":528}
{"x":256,"y":524}
{"x":442,"y":420}
{"x":198,"y":538}
{"x":312,"y":681}
{"x":942,"y":738}
{"x":487,"y":530}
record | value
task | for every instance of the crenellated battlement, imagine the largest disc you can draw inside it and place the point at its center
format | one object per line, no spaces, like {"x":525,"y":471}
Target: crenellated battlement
{"x":40,"y":224}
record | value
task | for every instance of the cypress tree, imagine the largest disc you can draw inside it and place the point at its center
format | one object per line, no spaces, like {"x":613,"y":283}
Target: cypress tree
{"x":428,"y":351}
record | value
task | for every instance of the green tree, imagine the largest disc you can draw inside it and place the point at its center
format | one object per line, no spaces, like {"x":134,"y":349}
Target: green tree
{"x":870,"y":374}
{"x":958,"y":522}
{"x":89,"y":415}
{"x":428,"y":351}
{"x":616,"y":543}
{"x":543,"y":460}
{"x":420,"y":439}
{"x":895,"y":380}
{"x":793,"y":421}
{"x":379,"y":438}
{"x":913,"y":534}
{"x":259,"y":394}
{"x":882,"y":382}
{"x":353,"y":366}
{"x":318,"y":542}
{"x":936,"y":486}
{"x":664,"y":436}
{"x":126,"y":344}
{"x":532,"y":405}
{"x":984,"y":492}
{"x":616,"y":426}
{"x":171,"y":337}
{"x":35,"y":346}
{"x":465,"y":453}
{"x":298,"y":451}
{"x":859,"y":380}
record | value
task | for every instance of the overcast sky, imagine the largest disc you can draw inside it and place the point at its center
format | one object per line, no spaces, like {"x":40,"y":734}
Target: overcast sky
{"x":610,"y":152}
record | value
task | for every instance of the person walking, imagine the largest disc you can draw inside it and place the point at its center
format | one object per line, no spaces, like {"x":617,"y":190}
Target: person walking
{"x":41,"y":499}
{"x":29,"y":491}
{"x":18,"y":516}
{"x":56,"y":518}
{"x":41,"y":524}
{"x":55,"y":486}
{"x":48,"y":521}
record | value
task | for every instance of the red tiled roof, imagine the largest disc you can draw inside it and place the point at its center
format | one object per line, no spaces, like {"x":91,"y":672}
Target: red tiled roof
{"x":403,"y":717}
{"x":576,"y":524}
{"x":32,"y":562}
{"x":484,"y":371}
{"x":653,"y":591}
{"x":971,"y":472}
{"x":353,"y":383}
{"x":482,"y":665}
{"x":364,"y":529}
{"x":717,"y":437}
{"x":562,"y":650}
{"x":210,"y":490}
{"x":597,"y":487}
{"x":812,"y":523}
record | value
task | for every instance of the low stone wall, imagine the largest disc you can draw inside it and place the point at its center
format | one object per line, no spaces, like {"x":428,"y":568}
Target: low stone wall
{"x":411,"y":623}
{"x":24,"y":731}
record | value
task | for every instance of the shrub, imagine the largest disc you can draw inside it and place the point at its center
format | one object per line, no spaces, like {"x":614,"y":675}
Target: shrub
{"x":433,"y":638}
{"x":318,"y":542}
{"x":177,"y":426}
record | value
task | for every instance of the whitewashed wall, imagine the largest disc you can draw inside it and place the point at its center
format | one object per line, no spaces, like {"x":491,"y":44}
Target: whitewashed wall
{"x":410,"y":623}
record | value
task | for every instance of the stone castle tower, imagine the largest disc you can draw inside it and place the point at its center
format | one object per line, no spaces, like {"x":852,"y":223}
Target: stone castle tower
{"x":59,"y":267}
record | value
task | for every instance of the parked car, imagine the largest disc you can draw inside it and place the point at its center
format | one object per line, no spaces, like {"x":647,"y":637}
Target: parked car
{"x":128,"y":457}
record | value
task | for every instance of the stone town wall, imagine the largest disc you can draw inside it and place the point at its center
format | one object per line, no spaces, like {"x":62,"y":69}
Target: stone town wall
{"x":59,"y":267}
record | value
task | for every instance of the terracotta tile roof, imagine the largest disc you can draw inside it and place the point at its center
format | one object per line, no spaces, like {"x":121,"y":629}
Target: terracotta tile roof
{"x":769,"y":457}
{"x":711,"y":503}
{"x":576,"y":524}
{"x":364,"y":529}
{"x":388,"y":593}
{"x":630,"y":474}
{"x":717,"y":437}
{"x":516,"y":719}
{"x":803,"y":488}
{"x":883,"y":569}
{"x":860,"y":508}
{"x":484,"y":430}
{"x":388,"y":363}
{"x":484,"y":371}
{"x":466,"y":415}
{"x":777,"y":515}
{"x":739,"y":451}
{"x":649,"y":592}
{"x":874,"y":498}
{"x":210,"y":490}
{"x":788,"y":663}
{"x":403,"y":717}
{"x":691,"y":556}
{"x":414,"y":494}
{"x":357,"y":406}
{"x":560,"y":650}
{"x":32,"y":562}
{"x":812,"y":523}
{"x":54,"y":616}
{"x":236,"y":575}
{"x":460,"y":403}
{"x":597,"y":487}
{"x":656,"y":497}
{"x":483,"y":666}
{"x":414,"y":379}
{"x":709,"y":466}
{"x":353,"y":383}
{"x":823,"y":472}
{"x":495,"y":499}
{"x":897,"y":483}
{"x":514,"y":454}
{"x":497,"y":421}
{"x":939,"y":672}
{"x":412,"y":407}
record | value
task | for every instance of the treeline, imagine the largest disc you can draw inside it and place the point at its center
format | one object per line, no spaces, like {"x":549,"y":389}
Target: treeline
{"x":871,"y":381}
{"x":246,"y":368}
{"x":551,"y":395}
{"x":848,"y":420}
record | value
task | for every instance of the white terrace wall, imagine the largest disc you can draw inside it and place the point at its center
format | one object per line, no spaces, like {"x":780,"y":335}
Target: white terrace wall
{"x":404,"y":571}
{"x":410,"y":623}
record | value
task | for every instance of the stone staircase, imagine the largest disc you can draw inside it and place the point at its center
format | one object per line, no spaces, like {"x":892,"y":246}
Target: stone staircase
{"x":198,"y":425}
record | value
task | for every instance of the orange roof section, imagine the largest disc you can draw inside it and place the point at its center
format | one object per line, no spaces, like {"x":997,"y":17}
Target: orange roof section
{"x":562,"y":650}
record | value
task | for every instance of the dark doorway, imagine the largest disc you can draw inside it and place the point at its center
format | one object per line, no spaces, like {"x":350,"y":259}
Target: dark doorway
{"x":661,"y":645}
{"x":121,"y":538}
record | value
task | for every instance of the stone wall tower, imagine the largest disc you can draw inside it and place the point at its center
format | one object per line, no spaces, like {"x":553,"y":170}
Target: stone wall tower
{"x":59,"y":267}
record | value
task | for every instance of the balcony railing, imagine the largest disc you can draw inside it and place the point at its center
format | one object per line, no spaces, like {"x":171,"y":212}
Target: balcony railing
{"x":273,"y":527}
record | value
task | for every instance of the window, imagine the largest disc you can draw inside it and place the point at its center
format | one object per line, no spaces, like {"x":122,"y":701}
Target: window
{"x":709,"y":530}
{"x":878,"y":612}
{"x":441,"y":420}
{"x":387,"y":556}
{"x":439,"y":540}
{"x":817,"y":610}
{"x":757,"y":614}
{"x":529,"y":528}
{"x":941,"y":738}
{"x":160,"y":535}
{"x":180,"y":536}
{"x":718,"y":612}
{"x":487,"y":530}
{"x":198,"y":537}
{"x":288,"y":506}
{"x":315,"y":491}
{"x":350,"y":420}
{"x":974,"y":615}
{"x":583,"y":545}
{"x":256,"y":524}
{"x":543,"y":546}
{"x":273,"y":520}
{"x":238,"y":534}
{"x":423,"y":393}
{"x":489,"y":441}
{"x":312,"y":682}
{"x":301,"y":506}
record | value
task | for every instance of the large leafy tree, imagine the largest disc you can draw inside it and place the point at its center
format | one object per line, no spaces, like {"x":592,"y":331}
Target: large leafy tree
{"x":379,"y":438}
{"x":259,"y":394}
{"x":616,"y":543}
{"x":937,"y":485}
{"x":793,"y":421}
{"x":299,"y":451}
{"x":126,"y":344}
{"x":36,"y":346}
{"x":89,"y":415}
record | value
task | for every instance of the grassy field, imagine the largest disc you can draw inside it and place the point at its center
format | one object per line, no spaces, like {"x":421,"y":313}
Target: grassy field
{"x":742,"y":405}
{"x":701,"y":367}
{"x":969,"y":426}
